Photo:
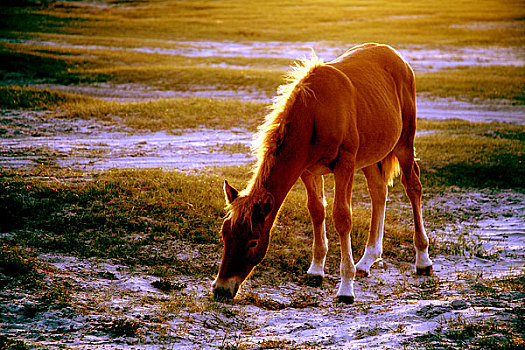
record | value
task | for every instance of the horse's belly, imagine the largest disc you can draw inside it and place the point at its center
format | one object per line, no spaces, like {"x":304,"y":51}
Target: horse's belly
{"x":375,"y":146}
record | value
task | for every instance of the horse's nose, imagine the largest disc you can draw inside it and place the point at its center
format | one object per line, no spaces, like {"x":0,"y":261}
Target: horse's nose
{"x":224,"y":289}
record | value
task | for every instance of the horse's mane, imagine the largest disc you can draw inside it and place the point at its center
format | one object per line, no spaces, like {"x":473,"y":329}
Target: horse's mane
{"x":272,"y":132}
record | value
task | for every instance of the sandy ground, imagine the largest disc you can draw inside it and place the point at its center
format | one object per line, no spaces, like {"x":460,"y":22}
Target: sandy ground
{"x":33,"y":138}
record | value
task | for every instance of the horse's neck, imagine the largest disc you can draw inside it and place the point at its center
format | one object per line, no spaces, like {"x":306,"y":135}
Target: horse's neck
{"x":290,"y":160}
{"x":283,"y":173}
{"x":283,"y":176}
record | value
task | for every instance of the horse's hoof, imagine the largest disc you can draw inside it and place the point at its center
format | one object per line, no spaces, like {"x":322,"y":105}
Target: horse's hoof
{"x":361,"y":273}
{"x":314,"y":280}
{"x":424,"y":271}
{"x":345,"y":299}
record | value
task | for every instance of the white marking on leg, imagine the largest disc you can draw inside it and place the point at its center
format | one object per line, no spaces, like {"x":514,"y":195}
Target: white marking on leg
{"x":319,"y":255}
{"x":320,"y":248}
{"x":373,"y":252}
{"x":346,"y":288}
{"x":422,"y":258}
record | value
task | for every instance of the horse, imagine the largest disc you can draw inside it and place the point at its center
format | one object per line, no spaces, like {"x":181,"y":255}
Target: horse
{"x":355,"y":112}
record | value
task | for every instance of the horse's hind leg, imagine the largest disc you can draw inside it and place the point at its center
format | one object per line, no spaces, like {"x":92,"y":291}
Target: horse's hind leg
{"x":315,"y":190}
{"x":377,"y":188}
{"x":413,"y":188}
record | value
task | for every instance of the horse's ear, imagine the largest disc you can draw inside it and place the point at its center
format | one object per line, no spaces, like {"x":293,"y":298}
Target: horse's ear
{"x":230,"y":193}
{"x":262,"y":209}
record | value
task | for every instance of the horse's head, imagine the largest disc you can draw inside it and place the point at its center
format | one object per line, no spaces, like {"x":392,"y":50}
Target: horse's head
{"x":246,"y":235}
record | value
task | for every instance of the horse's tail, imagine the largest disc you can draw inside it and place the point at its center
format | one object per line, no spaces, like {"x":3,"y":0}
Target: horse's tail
{"x":390,"y":168}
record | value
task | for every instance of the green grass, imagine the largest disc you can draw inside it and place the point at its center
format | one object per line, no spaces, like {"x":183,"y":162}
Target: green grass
{"x":468,"y":83}
{"x":464,"y":83}
{"x":12,"y":344}
{"x":397,"y":22}
{"x":177,"y":113}
{"x":21,"y":63}
{"x":476,"y":155}
{"x":117,"y":214}
{"x":18,"y":263}
{"x":123,"y":214}
{"x":155,"y":115}
{"x":14,"y":97}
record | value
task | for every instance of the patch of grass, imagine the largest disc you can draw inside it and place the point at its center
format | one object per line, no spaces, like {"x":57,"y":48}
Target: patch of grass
{"x":476,"y":157}
{"x":123,"y":32}
{"x":123,"y":327}
{"x":21,"y":266}
{"x":58,"y":295}
{"x":460,"y":332}
{"x":464,"y":245}
{"x":49,"y":65}
{"x":121,"y":214}
{"x":189,"y":303}
{"x":167,"y":286}
{"x":233,"y":148}
{"x":479,"y":82}
{"x":516,"y":283}
{"x":509,"y":283}
{"x":174,"y":114}
{"x":138,"y":216}
{"x":277,"y":344}
{"x":12,"y":344}
{"x":15,"y":97}
{"x":16,"y":262}
{"x":163,"y":114}
{"x":428,"y":288}
{"x":189,"y":78}
{"x":466,"y":83}
{"x":490,"y":332}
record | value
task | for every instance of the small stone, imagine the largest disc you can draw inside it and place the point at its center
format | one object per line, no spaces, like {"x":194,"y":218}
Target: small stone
{"x":430,"y":311}
{"x":459,"y":304}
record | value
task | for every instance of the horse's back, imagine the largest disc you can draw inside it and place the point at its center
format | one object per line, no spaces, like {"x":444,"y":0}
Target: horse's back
{"x":377,"y":69}
{"x":378,"y":59}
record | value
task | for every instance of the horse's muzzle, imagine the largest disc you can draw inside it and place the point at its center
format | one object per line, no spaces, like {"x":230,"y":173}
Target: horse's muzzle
{"x":225,"y":290}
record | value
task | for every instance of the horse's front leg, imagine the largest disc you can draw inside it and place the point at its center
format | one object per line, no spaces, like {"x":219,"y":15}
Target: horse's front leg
{"x":378,"y":190}
{"x":342,"y":214}
{"x":314,"y":185}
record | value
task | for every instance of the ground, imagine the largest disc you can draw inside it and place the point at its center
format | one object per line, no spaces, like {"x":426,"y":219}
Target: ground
{"x":114,"y":145}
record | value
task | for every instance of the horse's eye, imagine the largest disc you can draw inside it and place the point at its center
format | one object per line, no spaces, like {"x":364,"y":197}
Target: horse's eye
{"x":252,"y":243}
